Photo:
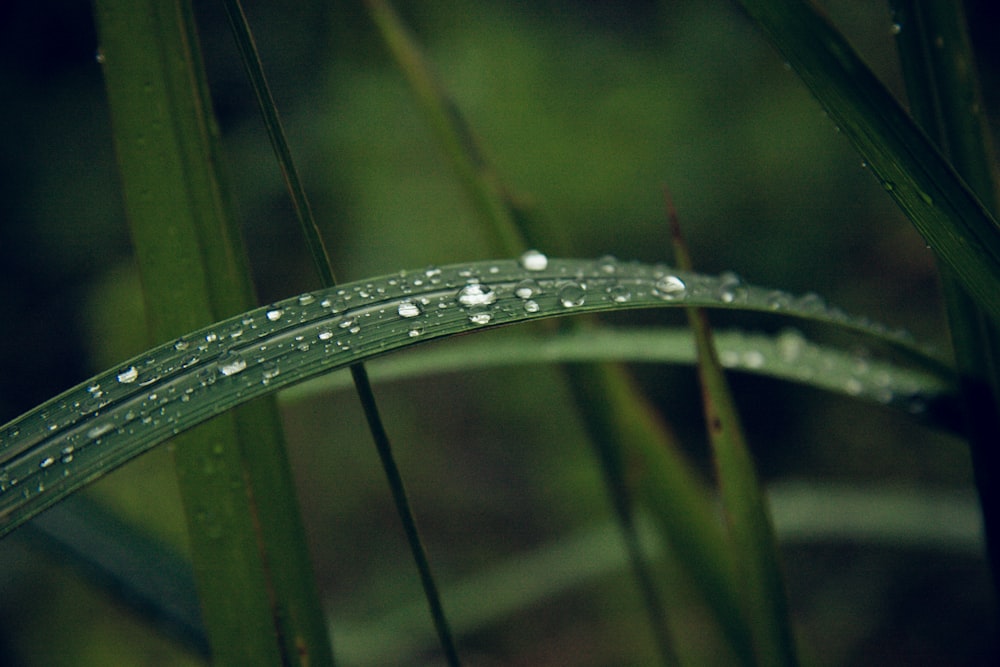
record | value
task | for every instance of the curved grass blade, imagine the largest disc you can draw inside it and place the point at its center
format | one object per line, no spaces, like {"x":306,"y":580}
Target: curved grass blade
{"x":911,"y":169}
{"x":923,"y":395}
{"x":85,"y":432}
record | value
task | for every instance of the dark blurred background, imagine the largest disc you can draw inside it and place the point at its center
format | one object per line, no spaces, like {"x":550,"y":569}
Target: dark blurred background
{"x":587,"y":109}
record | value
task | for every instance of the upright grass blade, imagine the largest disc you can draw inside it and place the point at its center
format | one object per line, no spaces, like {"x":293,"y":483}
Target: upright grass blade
{"x":258,"y":595}
{"x":750,"y":528}
{"x":949,"y":217}
{"x":321,"y":261}
{"x":941,"y":83}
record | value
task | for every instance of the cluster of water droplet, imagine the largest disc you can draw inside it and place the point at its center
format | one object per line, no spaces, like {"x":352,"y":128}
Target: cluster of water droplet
{"x":146,"y":398}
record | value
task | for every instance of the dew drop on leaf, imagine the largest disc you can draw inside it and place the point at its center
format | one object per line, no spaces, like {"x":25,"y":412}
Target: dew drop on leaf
{"x":753,"y":359}
{"x":408,"y":309}
{"x":571,"y":294}
{"x":531,"y":306}
{"x":526,"y":289}
{"x":670,"y":288}
{"x":480,"y":317}
{"x":791,"y":345}
{"x":533,"y":260}
{"x":608,"y":264}
{"x":99,"y":430}
{"x":231,"y":363}
{"x":476,"y":294}
{"x":619,"y":293}
{"x":128,"y":375}
{"x":274,"y":314}
{"x":731,"y":288}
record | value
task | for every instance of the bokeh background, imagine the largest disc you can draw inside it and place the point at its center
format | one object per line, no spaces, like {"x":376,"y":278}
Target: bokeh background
{"x":587,"y":109}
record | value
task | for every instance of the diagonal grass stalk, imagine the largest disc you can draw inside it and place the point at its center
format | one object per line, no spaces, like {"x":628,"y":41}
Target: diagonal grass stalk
{"x":259,"y":598}
{"x":913,"y":172}
{"x":510,"y":229}
{"x":321,"y":261}
{"x":941,"y":83}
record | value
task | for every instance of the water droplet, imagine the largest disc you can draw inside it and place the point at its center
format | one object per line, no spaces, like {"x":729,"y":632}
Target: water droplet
{"x":274,"y":314}
{"x":810,"y":303}
{"x":480,"y":317}
{"x":231,"y":363}
{"x":408,"y":309}
{"x":46,"y":462}
{"x":211,"y":337}
{"x":128,"y":375}
{"x":670,"y":288}
{"x":99,"y":57}
{"x":475,"y":294}
{"x":415,"y":331}
{"x":526,"y":289}
{"x":791,"y":345}
{"x":608,"y":264}
{"x":896,"y":29}
{"x":620,"y":293}
{"x":531,"y":306}
{"x":180,"y":344}
{"x":571,"y":294}
{"x":95,"y":390}
{"x":731,"y":288}
{"x":325,"y":335}
{"x":269,"y":374}
{"x":753,"y":359}
{"x":306,"y":299}
{"x":99,"y":430}
{"x":778,"y":300}
{"x":532,"y":260}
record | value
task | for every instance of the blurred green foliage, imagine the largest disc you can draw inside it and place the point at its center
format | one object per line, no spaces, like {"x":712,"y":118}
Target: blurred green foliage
{"x":587,"y":109}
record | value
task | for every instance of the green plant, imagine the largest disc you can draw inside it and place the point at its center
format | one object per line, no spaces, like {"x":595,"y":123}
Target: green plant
{"x":203,"y":372}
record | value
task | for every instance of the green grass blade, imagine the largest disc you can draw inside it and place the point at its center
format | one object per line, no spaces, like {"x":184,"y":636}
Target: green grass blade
{"x":75,"y":438}
{"x":748,"y":521}
{"x":916,"y":392}
{"x":259,"y":597}
{"x":452,"y":132}
{"x":79,"y":435}
{"x":923,"y":184}
{"x":942,"y":86}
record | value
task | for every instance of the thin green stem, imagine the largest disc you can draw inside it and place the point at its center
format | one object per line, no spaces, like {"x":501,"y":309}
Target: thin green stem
{"x":747,"y":517}
{"x":321,"y":261}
